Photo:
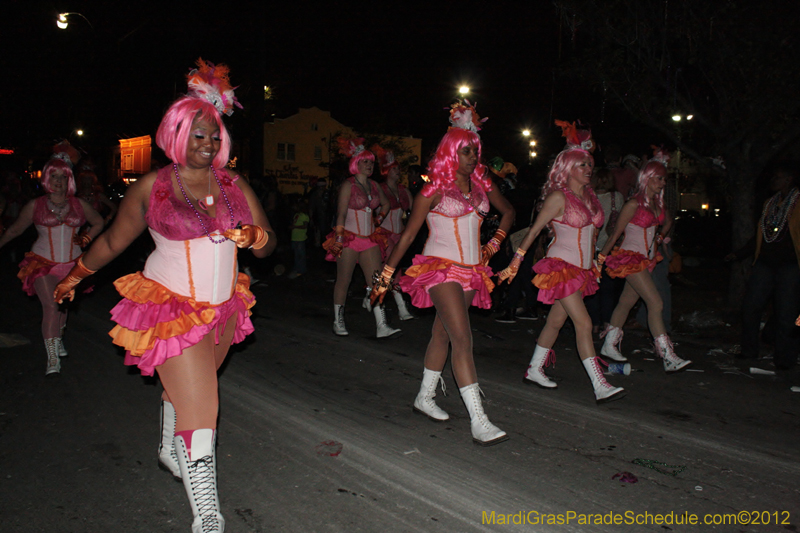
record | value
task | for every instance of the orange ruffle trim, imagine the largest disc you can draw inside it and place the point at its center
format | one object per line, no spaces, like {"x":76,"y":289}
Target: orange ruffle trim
{"x":189,"y":312}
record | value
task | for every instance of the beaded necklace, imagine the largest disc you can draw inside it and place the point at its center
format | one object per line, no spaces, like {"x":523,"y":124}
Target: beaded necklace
{"x":775,"y":215}
{"x":367,"y":209}
{"x":468,"y":197}
{"x":58,"y":209}
{"x":196,"y":212}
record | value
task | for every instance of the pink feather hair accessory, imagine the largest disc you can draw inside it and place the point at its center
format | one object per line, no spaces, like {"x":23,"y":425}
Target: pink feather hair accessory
{"x":464,"y":116}
{"x":385,"y":158}
{"x":66,"y":152}
{"x":211,"y":83}
{"x":350,"y":147}
{"x":577,"y":139}
{"x":660,"y":154}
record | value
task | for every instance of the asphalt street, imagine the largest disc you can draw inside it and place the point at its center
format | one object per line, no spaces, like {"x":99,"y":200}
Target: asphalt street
{"x":317,"y":433}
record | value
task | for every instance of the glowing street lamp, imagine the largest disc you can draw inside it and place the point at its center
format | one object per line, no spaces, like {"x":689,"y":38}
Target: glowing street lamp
{"x":79,"y":133}
{"x":62,"y":22}
{"x":463,"y":90}
{"x":526,"y":133}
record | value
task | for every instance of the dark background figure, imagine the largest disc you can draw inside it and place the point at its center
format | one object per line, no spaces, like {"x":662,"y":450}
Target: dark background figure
{"x":319,"y":221}
{"x":775,"y":277}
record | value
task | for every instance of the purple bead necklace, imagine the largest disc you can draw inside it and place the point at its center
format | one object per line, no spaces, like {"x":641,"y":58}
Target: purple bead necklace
{"x":196,"y":212}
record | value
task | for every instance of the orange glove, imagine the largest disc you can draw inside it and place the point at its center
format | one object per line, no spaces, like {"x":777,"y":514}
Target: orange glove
{"x":797,"y":322}
{"x":600,"y":259}
{"x":338,"y":245}
{"x":248,"y":236}
{"x":82,"y":239}
{"x":491,"y":247}
{"x":510,"y":272}
{"x":381,"y":282}
{"x":66,"y":287}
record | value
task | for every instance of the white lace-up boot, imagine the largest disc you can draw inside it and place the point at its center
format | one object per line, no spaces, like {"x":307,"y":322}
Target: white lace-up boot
{"x":664,"y":349}
{"x":62,"y":351}
{"x":53,"y":362}
{"x":483,"y":432}
{"x":366,"y":304}
{"x":542,"y":357}
{"x":167,"y":458}
{"x":424,"y":403}
{"x":613,"y":343}
{"x":338,"y":321}
{"x":401,"y":306}
{"x":383,"y":329}
{"x":603,"y":391}
{"x":199,"y":474}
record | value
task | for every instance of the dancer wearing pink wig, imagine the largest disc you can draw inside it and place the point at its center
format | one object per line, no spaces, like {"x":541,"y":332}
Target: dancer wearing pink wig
{"x":180,"y":315}
{"x":568,"y":273}
{"x":452,"y":273}
{"x":362,"y":206}
{"x":57,"y":216}
{"x":636,"y":258}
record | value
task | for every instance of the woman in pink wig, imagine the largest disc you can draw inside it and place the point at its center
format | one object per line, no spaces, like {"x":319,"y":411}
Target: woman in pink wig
{"x":568,"y":273}
{"x":180,"y":315}
{"x":362,"y":207}
{"x":58,"y":217}
{"x":452,"y":273}
{"x":635,"y":259}
{"x":400,"y":203}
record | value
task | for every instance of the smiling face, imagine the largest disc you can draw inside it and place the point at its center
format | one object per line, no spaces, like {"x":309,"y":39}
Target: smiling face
{"x":203,"y":144}
{"x":581,"y":171}
{"x":393,"y":174}
{"x":59,"y":182}
{"x":365,"y":167}
{"x":467,"y":159}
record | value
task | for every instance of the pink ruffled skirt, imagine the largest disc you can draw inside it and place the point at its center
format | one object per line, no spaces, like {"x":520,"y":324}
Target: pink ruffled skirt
{"x":622,"y":263}
{"x":154,"y":324}
{"x":556,"y":279}
{"x":35,"y":266}
{"x":351,"y":240}
{"x":427,"y":272}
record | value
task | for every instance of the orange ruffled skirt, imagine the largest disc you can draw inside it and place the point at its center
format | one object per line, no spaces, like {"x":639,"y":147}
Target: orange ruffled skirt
{"x":154,"y":323}
{"x":622,"y":263}
{"x":35,"y":266}
{"x":556,"y":279}
{"x":427,"y":272}
{"x":351,"y":240}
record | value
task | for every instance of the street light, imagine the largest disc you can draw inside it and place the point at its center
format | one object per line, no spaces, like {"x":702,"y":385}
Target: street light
{"x":463,"y":90}
{"x":526,"y":133}
{"x":62,"y":22}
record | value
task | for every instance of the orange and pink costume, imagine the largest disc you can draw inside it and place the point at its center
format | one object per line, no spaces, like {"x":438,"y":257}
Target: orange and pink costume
{"x":54,"y":251}
{"x":637,"y":250}
{"x":359,"y":226}
{"x":190,"y":285}
{"x":569,"y":265}
{"x":452,"y":252}
{"x":388,"y":234}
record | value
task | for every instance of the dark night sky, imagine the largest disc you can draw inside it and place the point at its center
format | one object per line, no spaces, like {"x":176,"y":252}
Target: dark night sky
{"x":377,"y":67}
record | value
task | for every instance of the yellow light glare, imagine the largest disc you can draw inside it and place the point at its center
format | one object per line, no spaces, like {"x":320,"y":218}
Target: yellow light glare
{"x":463,"y":89}
{"x":676,"y":118}
{"x":61,"y":21}
{"x":526,"y":133}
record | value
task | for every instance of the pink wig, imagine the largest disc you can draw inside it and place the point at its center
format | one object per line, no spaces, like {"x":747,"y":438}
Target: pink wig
{"x":53,"y":166}
{"x":173,"y":132}
{"x":649,"y":170}
{"x":559,"y":172}
{"x":361,"y":156}
{"x":442,"y":168}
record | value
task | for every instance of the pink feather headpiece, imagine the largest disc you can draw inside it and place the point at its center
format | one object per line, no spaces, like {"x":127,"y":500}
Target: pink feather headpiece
{"x":211,"y":83}
{"x":385,"y":158}
{"x":66,"y":152}
{"x":660,"y":154}
{"x":465,"y":117}
{"x":576,"y":139}
{"x":350,"y":147}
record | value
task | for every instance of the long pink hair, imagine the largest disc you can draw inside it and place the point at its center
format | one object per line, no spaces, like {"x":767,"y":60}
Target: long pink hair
{"x":442,"y":168}
{"x":650,"y":169}
{"x":559,"y":173}
{"x":54,"y":165}
{"x":176,"y":126}
{"x":364,"y":155}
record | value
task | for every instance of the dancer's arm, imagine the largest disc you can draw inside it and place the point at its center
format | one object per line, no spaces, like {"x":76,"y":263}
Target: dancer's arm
{"x":16,"y":229}
{"x":95,"y":222}
{"x":625,"y":216}
{"x":259,"y":219}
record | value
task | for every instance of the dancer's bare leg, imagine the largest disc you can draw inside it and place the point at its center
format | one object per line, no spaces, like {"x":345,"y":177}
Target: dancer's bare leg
{"x":370,"y":261}
{"x":52,"y":318}
{"x":627,"y":300}
{"x":452,"y":323}
{"x":573,"y":306}
{"x":344,"y":274}
{"x":642,"y":283}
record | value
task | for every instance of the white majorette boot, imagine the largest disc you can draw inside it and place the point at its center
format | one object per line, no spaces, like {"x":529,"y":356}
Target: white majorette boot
{"x":542,"y":357}
{"x":603,"y":391}
{"x":664,"y":349}
{"x":613,"y":343}
{"x":424,"y":402}
{"x":53,"y":362}
{"x":199,"y":473}
{"x":338,"y":321}
{"x":483,"y":432}
{"x":383,"y":329}
{"x":62,"y":352}
{"x":366,"y":304}
{"x":401,"y":306}
{"x":167,"y":458}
